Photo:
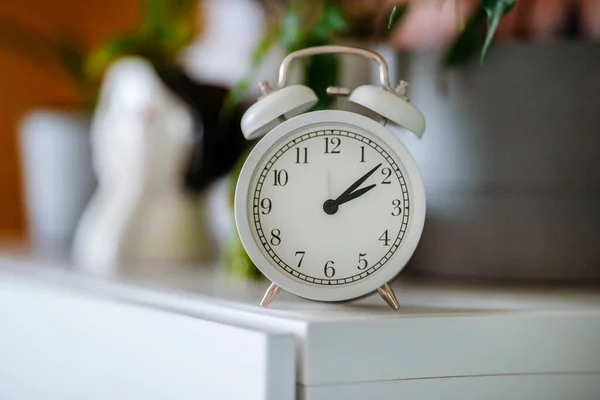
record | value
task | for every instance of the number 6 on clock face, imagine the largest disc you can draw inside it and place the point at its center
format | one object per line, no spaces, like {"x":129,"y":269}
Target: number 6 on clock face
{"x":330,"y":205}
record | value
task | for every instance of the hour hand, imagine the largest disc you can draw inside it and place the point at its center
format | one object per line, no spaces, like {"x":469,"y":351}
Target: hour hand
{"x":331,"y":206}
{"x":353,"y":195}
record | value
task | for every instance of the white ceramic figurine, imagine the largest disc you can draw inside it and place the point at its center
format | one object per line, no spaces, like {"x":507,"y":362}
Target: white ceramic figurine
{"x":141,"y":136}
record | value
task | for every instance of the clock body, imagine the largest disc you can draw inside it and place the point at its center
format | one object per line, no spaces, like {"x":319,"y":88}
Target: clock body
{"x":300,"y":241}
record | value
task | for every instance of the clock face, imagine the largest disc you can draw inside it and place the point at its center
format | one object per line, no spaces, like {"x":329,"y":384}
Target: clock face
{"x":329,"y":206}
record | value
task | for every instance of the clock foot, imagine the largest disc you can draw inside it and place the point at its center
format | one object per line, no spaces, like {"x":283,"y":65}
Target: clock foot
{"x":389,"y":296}
{"x":270,"y":295}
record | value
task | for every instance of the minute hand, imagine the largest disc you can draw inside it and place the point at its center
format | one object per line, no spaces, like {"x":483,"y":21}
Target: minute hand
{"x":355,"y":185}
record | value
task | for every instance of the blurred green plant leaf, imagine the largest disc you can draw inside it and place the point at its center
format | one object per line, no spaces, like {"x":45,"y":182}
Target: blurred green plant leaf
{"x":331,"y":23}
{"x":291,"y":31}
{"x":495,"y":10}
{"x":166,"y":27}
{"x":296,"y":32}
{"x":396,"y":15}
{"x":235,"y":257}
{"x":392,"y":16}
{"x":264,"y":46}
{"x":100,"y":58}
{"x":71,"y":53}
{"x":168,"y":21}
{"x":468,"y":43}
{"x":320,"y":72}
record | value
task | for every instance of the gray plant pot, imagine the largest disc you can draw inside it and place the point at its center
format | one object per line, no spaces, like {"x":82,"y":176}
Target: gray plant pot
{"x":511,"y":163}
{"x":57,"y":174}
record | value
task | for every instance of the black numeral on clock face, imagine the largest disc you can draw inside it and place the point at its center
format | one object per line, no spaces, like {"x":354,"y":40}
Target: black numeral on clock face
{"x":332,"y":144}
{"x":387,"y":173}
{"x":275,"y":237}
{"x":362,"y":261}
{"x":280,"y":177}
{"x":385,"y":238}
{"x":301,"y":155}
{"x":397,"y":209}
{"x":301,"y":254}
{"x":265,"y":205}
{"x":362,"y":153}
{"x":328,"y":269}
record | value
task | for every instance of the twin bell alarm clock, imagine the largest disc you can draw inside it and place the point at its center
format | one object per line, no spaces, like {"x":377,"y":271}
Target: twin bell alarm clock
{"x":330,"y":204}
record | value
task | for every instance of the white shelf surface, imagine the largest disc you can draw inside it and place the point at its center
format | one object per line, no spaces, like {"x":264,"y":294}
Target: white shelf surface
{"x":58,"y":344}
{"x":442,"y":334}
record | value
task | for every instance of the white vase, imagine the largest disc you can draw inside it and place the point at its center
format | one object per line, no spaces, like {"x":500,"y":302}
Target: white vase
{"x":57,"y":174}
{"x":511,"y":163}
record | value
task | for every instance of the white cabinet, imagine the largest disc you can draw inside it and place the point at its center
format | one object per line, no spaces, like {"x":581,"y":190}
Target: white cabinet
{"x":60,"y":344}
{"x":178,"y":333}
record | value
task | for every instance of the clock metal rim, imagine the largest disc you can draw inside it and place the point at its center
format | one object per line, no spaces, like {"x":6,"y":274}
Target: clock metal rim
{"x":330,"y":293}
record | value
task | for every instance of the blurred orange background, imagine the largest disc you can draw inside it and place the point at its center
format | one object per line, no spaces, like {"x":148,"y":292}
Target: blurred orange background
{"x":24,"y":85}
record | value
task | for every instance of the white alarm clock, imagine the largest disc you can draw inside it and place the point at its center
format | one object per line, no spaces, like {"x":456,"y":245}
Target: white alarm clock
{"x":330,"y":204}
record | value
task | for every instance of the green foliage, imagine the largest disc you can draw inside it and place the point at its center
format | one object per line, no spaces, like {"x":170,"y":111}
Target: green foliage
{"x":166,"y":27}
{"x":303,"y":24}
{"x":495,"y":10}
{"x":469,"y":40}
{"x":320,"y":71}
{"x":331,"y":23}
{"x":468,"y":43}
{"x":478,"y":33}
{"x":239,"y":263}
{"x":396,"y":15}
{"x":236,"y":258}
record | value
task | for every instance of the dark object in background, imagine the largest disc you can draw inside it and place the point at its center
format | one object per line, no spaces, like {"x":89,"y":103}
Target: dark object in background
{"x":511,"y":164}
{"x":219,"y":142}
